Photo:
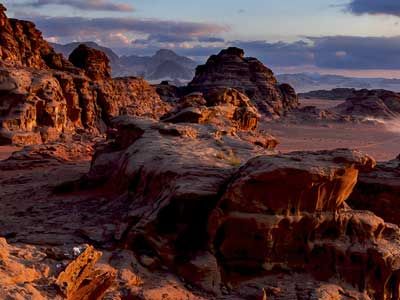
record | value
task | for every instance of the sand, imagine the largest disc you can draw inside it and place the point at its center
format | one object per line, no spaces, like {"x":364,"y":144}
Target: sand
{"x":375,"y":140}
{"x":6,"y":151}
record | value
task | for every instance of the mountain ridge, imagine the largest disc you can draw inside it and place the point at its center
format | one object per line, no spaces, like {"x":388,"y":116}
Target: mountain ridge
{"x":307,"y":82}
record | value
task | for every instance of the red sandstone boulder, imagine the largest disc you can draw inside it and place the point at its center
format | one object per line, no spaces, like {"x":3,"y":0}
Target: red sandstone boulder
{"x":295,"y":183}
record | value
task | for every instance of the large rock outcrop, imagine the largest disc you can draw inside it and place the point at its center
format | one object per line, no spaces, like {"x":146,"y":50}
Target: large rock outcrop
{"x":371,"y":104}
{"x":231,"y":69}
{"x":39,"y":106}
{"x":42,"y":99}
{"x":171,"y":176}
{"x":194,"y":209}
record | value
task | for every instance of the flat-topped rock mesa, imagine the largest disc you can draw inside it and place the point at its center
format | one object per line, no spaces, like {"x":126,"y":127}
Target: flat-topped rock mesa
{"x":371,"y":103}
{"x":231,"y":69}
{"x":44,"y":97}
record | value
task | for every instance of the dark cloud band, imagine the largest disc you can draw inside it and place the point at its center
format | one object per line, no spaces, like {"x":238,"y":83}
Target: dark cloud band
{"x":373,"y":7}
{"x":102,"y":5}
{"x":72,"y":26}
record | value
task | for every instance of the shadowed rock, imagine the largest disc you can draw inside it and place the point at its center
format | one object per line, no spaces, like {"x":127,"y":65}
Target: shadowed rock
{"x":379,"y":191}
{"x":94,"y":62}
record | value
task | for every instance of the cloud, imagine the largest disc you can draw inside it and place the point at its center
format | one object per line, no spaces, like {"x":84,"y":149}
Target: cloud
{"x":72,"y":26}
{"x":351,"y":52}
{"x":208,"y":39}
{"x":121,"y":32}
{"x":333,"y":52}
{"x":280,"y":53}
{"x":101,"y":5}
{"x":375,"y":7}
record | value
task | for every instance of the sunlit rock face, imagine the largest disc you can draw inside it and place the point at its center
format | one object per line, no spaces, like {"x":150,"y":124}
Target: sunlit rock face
{"x":44,"y":97}
{"x":21,"y":44}
{"x":231,"y":69}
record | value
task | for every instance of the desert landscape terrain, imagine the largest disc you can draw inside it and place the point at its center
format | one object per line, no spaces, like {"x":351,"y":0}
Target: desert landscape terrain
{"x":228,"y":187}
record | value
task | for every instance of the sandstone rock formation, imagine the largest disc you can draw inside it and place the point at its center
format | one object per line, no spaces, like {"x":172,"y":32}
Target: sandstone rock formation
{"x":372,"y":104}
{"x":226,"y":110}
{"x":43,"y":101}
{"x":173,"y":177}
{"x":21,"y":44}
{"x":379,"y":191}
{"x":226,"y":105}
{"x":230,"y":69}
{"x":186,"y":196}
{"x":213,"y":223}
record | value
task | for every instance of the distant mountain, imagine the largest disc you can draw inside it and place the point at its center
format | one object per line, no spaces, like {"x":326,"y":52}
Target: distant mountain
{"x":334,"y":94}
{"x":164,"y":65}
{"x":170,"y":70}
{"x":306,"y":82}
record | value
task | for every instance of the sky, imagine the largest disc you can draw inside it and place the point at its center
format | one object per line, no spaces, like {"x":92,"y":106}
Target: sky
{"x":350,"y":37}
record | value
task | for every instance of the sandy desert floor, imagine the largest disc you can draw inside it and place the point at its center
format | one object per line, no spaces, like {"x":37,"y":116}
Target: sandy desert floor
{"x":5,"y":151}
{"x":375,"y":140}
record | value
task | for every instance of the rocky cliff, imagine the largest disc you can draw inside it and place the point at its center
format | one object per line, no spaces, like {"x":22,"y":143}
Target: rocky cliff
{"x":231,"y":69}
{"x":21,"y":44}
{"x":44,"y":97}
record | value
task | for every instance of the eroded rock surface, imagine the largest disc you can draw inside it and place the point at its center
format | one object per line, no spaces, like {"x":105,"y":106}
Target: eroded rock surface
{"x":279,"y":214}
{"x":231,"y":69}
